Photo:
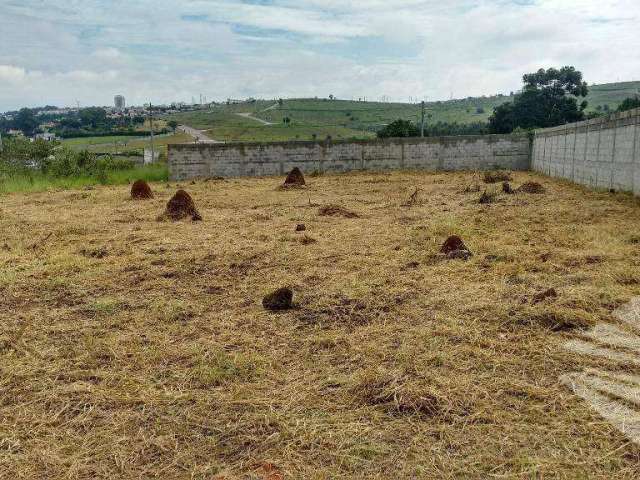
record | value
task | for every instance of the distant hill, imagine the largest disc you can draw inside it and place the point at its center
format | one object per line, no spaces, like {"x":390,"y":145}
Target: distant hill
{"x":355,"y":119}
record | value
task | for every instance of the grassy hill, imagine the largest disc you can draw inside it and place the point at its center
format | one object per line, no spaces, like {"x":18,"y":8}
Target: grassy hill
{"x":355,"y":119}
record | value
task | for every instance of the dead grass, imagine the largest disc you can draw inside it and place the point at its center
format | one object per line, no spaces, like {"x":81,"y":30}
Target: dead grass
{"x":157,"y":359}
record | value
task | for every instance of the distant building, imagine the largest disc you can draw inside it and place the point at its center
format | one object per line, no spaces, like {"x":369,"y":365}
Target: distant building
{"x":47,"y":136}
{"x":119,"y":102}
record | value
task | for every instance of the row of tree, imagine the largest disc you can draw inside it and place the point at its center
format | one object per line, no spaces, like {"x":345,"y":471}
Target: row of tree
{"x":549,"y":98}
{"x":88,"y":121}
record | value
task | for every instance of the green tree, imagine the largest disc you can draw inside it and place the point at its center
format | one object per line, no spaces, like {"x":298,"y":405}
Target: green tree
{"x":26,"y":121}
{"x":629,"y":104}
{"x":549,"y":98}
{"x":172,"y":125}
{"x":93,"y":117}
{"x":399,"y":128}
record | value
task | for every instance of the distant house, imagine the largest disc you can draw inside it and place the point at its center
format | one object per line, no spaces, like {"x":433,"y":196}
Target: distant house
{"x":15,"y":133}
{"x":47,"y":136}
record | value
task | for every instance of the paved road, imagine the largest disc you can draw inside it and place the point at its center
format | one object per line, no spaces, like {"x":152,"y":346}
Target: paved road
{"x":199,"y":135}
{"x":248,"y":115}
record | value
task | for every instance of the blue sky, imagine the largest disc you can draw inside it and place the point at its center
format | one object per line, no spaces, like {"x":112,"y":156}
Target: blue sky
{"x":54,"y":52}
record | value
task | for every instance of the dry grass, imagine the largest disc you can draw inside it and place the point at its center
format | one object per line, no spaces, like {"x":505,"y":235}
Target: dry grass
{"x":131,"y":348}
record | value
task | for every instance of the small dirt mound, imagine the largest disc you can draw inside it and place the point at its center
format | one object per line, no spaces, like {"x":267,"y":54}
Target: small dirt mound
{"x":336,"y":211}
{"x":179,"y":207}
{"x":307,"y":240}
{"x":454,"y":248}
{"x":294,"y":178}
{"x":542,"y":296}
{"x":140,"y":190}
{"x":497,"y":176}
{"x":506,"y":188}
{"x":531,"y":187}
{"x":281,"y":299}
{"x":301,"y":227}
{"x":487,"y":197}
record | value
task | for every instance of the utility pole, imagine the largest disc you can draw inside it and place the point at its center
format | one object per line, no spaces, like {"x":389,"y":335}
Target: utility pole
{"x":153,"y":158}
{"x":422,"y":122}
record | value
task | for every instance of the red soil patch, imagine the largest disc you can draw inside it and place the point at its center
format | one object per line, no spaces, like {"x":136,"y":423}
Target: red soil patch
{"x":140,"y":190}
{"x":181,"y":206}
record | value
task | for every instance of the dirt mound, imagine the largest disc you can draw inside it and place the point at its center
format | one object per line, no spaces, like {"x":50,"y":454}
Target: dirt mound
{"x":140,"y":190}
{"x":281,"y":299}
{"x":487,"y":197}
{"x":454,"y":247}
{"x":294,"y":178}
{"x":301,"y":227}
{"x":179,"y":207}
{"x":542,"y":296}
{"x":531,"y":187}
{"x":497,"y":176}
{"x":506,"y":188}
{"x":336,"y":211}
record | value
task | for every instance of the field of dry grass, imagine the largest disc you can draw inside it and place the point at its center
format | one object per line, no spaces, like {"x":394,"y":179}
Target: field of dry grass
{"x":132,"y":348}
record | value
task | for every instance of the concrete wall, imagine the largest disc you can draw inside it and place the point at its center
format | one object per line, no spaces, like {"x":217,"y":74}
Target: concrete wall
{"x":601,"y":153}
{"x":256,"y":159}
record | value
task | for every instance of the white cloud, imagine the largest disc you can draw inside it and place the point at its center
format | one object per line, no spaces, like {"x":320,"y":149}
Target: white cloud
{"x":10,"y":73}
{"x":164,"y":50}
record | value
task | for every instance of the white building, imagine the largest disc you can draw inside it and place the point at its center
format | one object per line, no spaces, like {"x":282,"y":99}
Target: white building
{"x":119,"y":102}
{"x":47,"y":136}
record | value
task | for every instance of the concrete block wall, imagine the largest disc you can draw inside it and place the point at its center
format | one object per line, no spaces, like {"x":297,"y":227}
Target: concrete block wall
{"x":188,"y":161}
{"x":600,"y":153}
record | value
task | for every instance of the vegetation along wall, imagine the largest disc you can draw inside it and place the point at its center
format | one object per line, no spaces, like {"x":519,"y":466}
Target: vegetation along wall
{"x":601,"y":153}
{"x":188,"y":161}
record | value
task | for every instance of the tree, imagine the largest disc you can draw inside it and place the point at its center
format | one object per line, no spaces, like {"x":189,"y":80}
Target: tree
{"x":93,"y":116}
{"x":172,"y":125}
{"x":549,"y":98}
{"x":26,"y":121}
{"x":280,"y":102}
{"x":399,"y":128}
{"x":629,"y":103}
{"x":331,"y":97}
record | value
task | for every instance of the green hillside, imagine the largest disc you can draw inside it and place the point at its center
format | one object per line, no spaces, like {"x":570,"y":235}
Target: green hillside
{"x":355,"y":119}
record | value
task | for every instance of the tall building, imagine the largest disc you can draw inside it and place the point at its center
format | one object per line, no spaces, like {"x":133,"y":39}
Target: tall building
{"x":118,"y":100}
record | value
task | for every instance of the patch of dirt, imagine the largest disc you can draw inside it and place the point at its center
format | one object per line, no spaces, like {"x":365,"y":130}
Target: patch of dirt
{"x":452,"y":244}
{"x":99,"y":252}
{"x":301,"y":227}
{"x":556,"y":319}
{"x":336,"y":211}
{"x":487,"y":197}
{"x":179,"y":207}
{"x":531,"y":187}
{"x":395,"y":396}
{"x":506,"y":188}
{"x":307,"y":240}
{"x":281,"y":299}
{"x":294,"y":178}
{"x":140,"y":190}
{"x":496,"y":176}
{"x":542,"y":296}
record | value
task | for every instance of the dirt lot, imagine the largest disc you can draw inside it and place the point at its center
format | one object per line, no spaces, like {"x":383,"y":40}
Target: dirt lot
{"x":133,"y":348}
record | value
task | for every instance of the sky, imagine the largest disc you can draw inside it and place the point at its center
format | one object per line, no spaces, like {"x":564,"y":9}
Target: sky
{"x":87,"y":51}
